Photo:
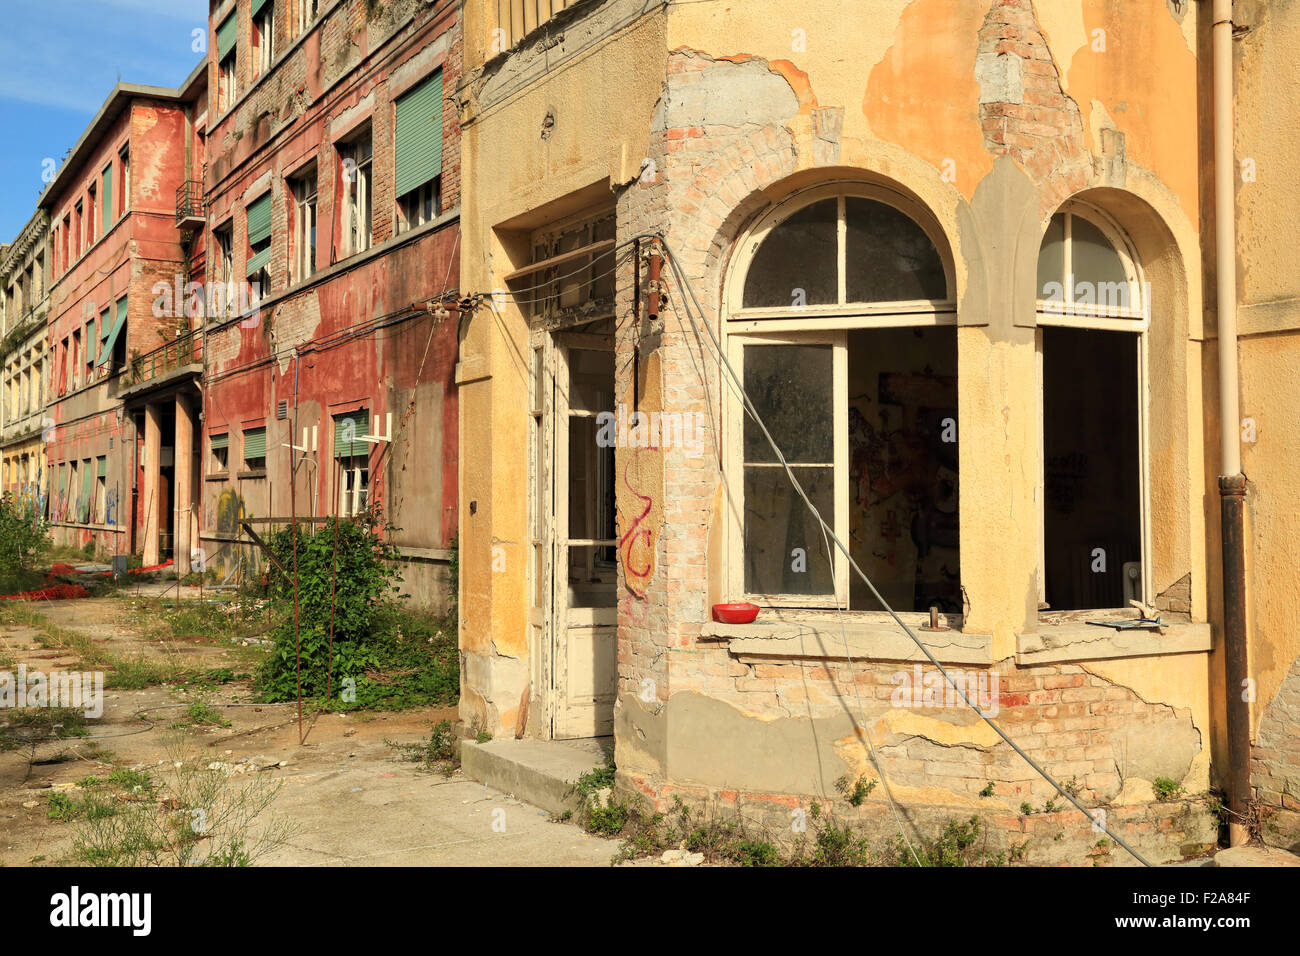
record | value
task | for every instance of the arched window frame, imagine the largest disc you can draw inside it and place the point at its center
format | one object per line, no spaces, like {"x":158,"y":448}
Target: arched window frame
{"x":841,"y":314}
{"x":1067,"y":312}
{"x":815,"y":325}
{"x":1135,"y":318}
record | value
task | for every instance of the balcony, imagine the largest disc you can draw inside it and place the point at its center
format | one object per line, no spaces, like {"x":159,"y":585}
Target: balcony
{"x":191,"y":211}
{"x":181,"y":356}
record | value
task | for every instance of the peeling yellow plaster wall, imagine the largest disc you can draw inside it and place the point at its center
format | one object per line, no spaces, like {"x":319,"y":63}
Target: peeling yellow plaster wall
{"x":1180,"y":681}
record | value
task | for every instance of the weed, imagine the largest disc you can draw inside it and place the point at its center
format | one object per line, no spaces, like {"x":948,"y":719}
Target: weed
{"x":1166,"y":789}
{"x":440,"y":750}
{"x":1026,"y":809}
{"x":199,"y":714}
{"x":987,"y":791}
{"x":207,"y":820}
{"x":1072,"y":786}
{"x":958,"y":844}
{"x":856,"y":792}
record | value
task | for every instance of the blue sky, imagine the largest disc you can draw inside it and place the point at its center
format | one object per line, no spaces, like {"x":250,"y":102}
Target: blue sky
{"x":59,"y":59}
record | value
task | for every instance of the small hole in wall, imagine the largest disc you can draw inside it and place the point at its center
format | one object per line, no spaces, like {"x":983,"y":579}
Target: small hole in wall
{"x":548,"y":124}
{"x":473,"y":507}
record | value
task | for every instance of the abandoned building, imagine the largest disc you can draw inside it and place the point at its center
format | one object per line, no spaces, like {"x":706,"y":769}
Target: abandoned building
{"x":332,"y":194}
{"x":24,"y":311}
{"x":953,"y":278}
{"x":118,"y":476}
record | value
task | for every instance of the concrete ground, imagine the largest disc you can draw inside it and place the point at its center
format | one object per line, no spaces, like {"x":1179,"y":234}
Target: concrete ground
{"x":351,"y":797}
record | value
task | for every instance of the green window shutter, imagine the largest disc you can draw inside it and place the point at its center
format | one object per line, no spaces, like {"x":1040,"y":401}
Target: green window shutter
{"x":259,"y":220}
{"x":344,"y":448}
{"x":101,"y":466}
{"x":418,"y":135}
{"x":84,"y":501}
{"x":111,"y":338}
{"x":105,"y":323}
{"x":218,"y":442}
{"x":257,"y":6}
{"x":254,"y":443}
{"x":91,"y":341}
{"x":257,"y":261}
{"x":107,"y":218}
{"x":226,"y":34}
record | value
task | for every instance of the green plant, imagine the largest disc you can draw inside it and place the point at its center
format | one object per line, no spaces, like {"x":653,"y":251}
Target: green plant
{"x":1166,"y":789}
{"x":201,"y":713}
{"x":208,"y":819}
{"x":1026,"y":809}
{"x":958,"y":844}
{"x":987,"y":791}
{"x":24,"y":534}
{"x":1050,"y":806}
{"x":855,"y":792}
{"x":383,"y":655}
{"x":441,"y":749}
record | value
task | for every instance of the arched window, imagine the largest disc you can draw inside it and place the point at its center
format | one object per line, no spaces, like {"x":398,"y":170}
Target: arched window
{"x":841,"y":325}
{"x":1092,"y":318}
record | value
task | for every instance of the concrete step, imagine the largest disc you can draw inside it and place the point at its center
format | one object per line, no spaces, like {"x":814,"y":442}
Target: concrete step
{"x":540,"y":772}
{"x":1255,"y":856}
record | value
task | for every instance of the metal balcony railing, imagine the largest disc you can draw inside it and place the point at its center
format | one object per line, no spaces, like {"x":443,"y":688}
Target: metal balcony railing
{"x":190,"y":204}
{"x":186,"y":349}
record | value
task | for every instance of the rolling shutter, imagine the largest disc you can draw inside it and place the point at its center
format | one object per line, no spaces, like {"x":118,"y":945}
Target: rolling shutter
{"x":344,"y":448}
{"x":257,"y":6}
{"x":218,"y":442}
{"x":226,"y":34}
{"x":106,"y":220}
{"x":257,"y":261}
{"x":418,"y":135}
{"x":84,"y":501}
{"x":259,"y":220}
{"x":111,"y":339}
{"x":101,"y":466}
{"x":254,"y":443}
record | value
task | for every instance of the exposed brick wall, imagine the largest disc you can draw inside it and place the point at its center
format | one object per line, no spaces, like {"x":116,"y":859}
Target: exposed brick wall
{"x":1275,"y":763}
{"x":1041,"y":128}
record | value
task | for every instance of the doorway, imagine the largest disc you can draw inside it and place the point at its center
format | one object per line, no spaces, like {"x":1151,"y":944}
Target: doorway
{"x":574,"y":541}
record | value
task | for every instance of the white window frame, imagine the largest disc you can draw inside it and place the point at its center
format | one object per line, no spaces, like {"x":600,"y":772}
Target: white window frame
{"x":358,"y":229}
{"x":813,"y":325}
{"x":422,"y":195}
{"x":354,"y":484}
{"x":307,"y":12}
{"x":304,"y":189}
{"x":227,"y":81}
{"x":264,"y":24}
{"x":1135,"y":318}
{"x":225,"y":239}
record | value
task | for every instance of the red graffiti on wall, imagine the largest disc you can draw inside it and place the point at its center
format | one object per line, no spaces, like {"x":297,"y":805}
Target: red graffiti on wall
{"x":637,"y":535}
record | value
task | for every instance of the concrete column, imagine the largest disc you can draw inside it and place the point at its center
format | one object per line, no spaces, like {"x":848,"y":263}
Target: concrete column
{"x":183,"y":492}
{"x":149,"y":493}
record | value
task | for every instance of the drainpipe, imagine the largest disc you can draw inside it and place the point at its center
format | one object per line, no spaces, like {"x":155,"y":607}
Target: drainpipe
{"x":1232,"y":483}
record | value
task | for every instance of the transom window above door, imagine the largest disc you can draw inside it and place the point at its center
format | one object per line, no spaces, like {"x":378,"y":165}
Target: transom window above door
{"x":861,"y":247}
{"x":1086,"y":268}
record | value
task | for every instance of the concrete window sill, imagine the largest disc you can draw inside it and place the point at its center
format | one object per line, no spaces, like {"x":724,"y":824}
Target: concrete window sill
{"x":1088,"y":642}
{"x":867,"y":640}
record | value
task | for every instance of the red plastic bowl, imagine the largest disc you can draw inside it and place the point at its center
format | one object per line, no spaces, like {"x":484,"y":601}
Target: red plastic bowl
{"x":741,"y":613}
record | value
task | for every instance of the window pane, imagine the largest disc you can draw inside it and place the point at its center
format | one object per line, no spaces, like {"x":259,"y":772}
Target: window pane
{"x":798,"y":255}
{"x":1097,"y":263}
{"x":1051,"y":260}
{"x":593,"y":576}
{"x":784,"y":549}
{"x":792,"y":388}
{"x":888,"y":257}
